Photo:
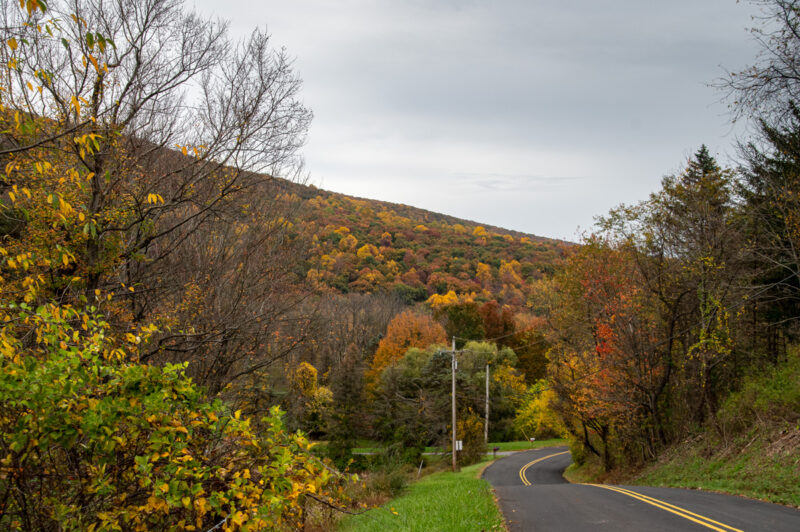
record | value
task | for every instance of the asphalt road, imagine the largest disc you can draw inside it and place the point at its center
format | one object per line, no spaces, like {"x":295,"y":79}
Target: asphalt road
{"x":534,"y":496}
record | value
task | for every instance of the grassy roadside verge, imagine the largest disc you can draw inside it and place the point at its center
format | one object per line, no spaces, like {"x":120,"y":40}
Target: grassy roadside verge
{"x":502,"y":446}
{"x":766,"y":467}
{"x":441,"y":501}
{"x":526,"y":445}
{"x":763,"y":466}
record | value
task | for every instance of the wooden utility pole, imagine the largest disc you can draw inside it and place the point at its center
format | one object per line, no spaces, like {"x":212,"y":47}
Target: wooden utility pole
{"x":486,"y":422}
{"x":453,"y":368}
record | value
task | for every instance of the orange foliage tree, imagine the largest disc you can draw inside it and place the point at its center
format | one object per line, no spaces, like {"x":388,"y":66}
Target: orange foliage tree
{"x":606,"y":366}
{"x":407,"y":329}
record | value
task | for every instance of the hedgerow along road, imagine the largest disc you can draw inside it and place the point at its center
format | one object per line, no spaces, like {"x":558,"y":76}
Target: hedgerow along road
{"x":534,"y":496}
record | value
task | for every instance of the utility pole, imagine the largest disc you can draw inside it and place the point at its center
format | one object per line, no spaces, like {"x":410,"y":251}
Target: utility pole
{"x":486,"y":423}
{"x":453,"y":368}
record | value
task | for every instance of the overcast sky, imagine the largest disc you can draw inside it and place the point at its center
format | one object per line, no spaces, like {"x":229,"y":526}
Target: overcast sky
{"x":530,"y":115}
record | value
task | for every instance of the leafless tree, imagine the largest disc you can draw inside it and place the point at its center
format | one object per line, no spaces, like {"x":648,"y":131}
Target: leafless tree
{"x":766,"y":88}
{"x":187,"y":221}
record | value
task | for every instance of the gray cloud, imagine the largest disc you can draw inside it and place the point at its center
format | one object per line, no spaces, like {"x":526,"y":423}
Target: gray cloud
{"x":501,"y":182}
{"x":502,"y":94}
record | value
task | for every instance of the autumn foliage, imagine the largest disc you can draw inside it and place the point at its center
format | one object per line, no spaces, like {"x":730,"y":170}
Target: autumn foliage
{"x":99,"y":207}
{"x":406,"y":330}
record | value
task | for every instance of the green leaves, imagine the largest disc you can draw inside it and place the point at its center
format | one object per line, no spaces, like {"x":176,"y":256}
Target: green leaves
{"x":103,"y":443}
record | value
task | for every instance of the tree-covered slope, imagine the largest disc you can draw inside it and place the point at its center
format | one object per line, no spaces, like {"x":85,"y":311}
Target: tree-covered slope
{"x":362,"y":245}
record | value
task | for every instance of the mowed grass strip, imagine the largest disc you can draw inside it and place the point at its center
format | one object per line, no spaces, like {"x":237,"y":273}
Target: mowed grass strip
{"x":521,"y":445}
{"x":525,"y":445}
{"x":439,"y":502}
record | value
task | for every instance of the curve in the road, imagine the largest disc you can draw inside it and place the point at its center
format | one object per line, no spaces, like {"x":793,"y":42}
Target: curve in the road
{"x":533,"y":495}
{"x":534,"y":462}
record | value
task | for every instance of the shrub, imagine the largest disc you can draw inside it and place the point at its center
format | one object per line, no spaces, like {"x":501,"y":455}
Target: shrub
{"x":470,"y":432}
{"x":93,"y":441}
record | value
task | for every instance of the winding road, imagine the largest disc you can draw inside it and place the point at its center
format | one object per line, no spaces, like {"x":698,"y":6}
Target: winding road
{"x":534,"y":496}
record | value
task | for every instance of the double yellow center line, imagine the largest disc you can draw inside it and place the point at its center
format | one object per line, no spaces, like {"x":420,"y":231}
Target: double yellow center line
{"x":526,"y":466}
{"x":677,"y":510}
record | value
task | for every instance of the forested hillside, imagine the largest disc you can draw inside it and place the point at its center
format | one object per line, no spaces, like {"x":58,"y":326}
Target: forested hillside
{"x":181,"y":317}
{"x":363,"y":246}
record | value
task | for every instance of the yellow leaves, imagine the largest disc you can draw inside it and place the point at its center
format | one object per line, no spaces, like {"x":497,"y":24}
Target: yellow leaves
{"x":90,"y":142}
{"x":237,"y":414}
{"x":156,"y":504}
{"x":197,"y":151}
{"x":437,"y":301}
{"x":239,"y":518}
{"x":12,"y":43}
{"x":32,"y":5}
{"x":153,"y":199}
{"x":348,"y":243}
{"x":201,"y":505}
{"x":75,"y":104}
{"x":42,"y":167}
{"x":10,"y":167}
{"x":64,"y":207}
{"x":94,"y":63}
{"x":368,"y":250}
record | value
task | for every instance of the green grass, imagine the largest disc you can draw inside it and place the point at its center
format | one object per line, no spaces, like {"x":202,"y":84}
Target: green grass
{"x":503,"y":446}
{"x":525,"y":445}
{"x":758,"y":471}
{"x":439,"y":502}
